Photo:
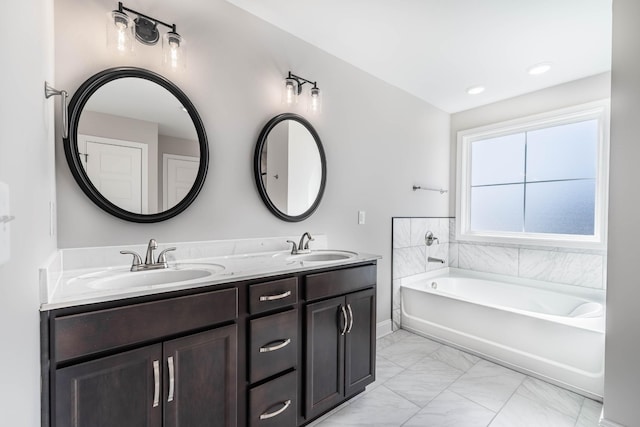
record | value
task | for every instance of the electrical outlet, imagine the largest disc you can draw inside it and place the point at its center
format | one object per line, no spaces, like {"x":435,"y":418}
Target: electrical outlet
{"x":361,"y":217}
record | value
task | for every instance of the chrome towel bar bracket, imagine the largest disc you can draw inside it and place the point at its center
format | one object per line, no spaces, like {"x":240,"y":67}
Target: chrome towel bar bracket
{"x":50,"y":91}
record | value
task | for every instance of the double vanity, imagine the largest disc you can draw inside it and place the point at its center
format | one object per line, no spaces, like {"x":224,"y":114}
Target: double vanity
{"x":257,"y":339}
{"x":274,"y":335}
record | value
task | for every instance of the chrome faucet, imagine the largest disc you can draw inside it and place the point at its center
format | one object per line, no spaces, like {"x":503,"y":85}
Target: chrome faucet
{"x":431,"y":259}
{"x":302,"y":247}
{"x":149,"y":264}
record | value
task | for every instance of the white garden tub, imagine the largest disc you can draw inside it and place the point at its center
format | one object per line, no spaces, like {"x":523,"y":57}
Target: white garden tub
{"x":526,"y":325}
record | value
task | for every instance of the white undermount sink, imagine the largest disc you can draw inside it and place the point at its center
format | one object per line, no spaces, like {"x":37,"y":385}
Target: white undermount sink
{"x":323,"y":256}
{"x":133,"y":279}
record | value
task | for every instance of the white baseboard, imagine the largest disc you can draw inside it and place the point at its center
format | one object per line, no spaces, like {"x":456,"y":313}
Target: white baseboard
{"x":383,"y":328}
{"x":606,"y":423}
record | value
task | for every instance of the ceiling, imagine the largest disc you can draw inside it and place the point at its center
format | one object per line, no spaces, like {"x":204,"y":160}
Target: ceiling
{"x":437,"y":49}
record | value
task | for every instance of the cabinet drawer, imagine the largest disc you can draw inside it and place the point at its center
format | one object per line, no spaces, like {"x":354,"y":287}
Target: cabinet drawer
{"x":338,"y":282}
{"x":273,"y":344}
{"x":89,"y":333}
{"x":274,"y":404}
{"x":272,"y":295}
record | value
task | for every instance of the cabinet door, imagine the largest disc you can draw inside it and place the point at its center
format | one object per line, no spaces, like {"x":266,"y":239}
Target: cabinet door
{"x":114,"y":391}
{"x":324,"y":377}
{"x":201,"y":379}
{"x":360,"y":341}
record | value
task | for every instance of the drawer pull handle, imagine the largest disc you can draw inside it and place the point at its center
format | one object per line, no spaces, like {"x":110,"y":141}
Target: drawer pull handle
{"x":268,"y":415}
{"x":275,"y":297}
{"x":268,"y":348}
{"x":350,"y":318}
{"x":345,"y":319}
{"x":156,"y":383}
{"x":172,"y":379}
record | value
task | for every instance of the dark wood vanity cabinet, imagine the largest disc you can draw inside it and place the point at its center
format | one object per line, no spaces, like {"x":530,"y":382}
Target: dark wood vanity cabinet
{"x":184,"y":382}
{"x":264,"y":353}
{"x":190,"y":380}
{"x":110,"y":391}
{"x":340,"y":338}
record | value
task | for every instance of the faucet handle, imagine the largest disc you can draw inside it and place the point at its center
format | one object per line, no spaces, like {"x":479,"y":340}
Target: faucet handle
{"x":162,"y":259}
{"x":429,"y":238}
{"x":136,"y":259}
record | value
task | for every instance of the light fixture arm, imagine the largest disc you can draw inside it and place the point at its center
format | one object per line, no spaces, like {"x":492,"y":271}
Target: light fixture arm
{"x":301,"y":81}
{"x":147,"y":17}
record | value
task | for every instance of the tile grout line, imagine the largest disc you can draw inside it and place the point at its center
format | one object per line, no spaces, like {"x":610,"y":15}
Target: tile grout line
{"x":580,"y":412}
{"x":498,"y":412}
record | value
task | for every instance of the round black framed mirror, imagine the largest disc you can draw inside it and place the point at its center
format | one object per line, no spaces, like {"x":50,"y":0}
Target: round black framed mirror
{"x":290,"y":167}
{"x":136,"y":146}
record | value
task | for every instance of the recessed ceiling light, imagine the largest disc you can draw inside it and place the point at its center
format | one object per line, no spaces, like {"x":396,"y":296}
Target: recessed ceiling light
{"x":539,"y":68}
{"x":475,"y":90}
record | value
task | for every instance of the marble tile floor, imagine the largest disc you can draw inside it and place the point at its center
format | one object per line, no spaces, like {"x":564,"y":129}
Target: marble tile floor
{"x":422,"y":383}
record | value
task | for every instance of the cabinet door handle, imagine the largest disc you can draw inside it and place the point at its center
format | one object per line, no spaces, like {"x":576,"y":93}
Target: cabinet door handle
{"x":156,"y":383}
{"x":268,"y":348}
{"x":350,"y":318}
{"x":268,"y":415}
{"x":172,"y":379}
{"x":275,"y":297}
{"x":346,"y":321}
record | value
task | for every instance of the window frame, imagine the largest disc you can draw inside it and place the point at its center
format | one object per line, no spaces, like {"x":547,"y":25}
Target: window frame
{"x":598,"y":110}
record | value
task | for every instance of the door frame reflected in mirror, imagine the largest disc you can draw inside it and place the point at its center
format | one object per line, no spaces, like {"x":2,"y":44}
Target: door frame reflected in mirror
{"x":72,"y":154}
{"x":258,"y":173}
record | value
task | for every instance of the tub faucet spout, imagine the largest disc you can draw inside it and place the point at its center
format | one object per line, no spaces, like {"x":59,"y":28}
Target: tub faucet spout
{"x":431,"y":259}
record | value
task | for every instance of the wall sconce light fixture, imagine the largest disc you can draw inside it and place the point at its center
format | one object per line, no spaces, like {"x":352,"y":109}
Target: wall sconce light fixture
{"x":122,"y":30}
{"x":293,"y":88}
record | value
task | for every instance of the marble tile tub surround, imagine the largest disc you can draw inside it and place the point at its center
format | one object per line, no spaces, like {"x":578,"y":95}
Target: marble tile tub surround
{"x":410,"y":253}
{"x":584,"y":268}
{"x":558,"y":265}
{"x":109,"y":256}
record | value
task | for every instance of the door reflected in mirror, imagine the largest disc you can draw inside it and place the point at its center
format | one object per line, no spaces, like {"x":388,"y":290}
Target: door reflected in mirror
{"x":290,"y":167}
{"x":138,"y":145}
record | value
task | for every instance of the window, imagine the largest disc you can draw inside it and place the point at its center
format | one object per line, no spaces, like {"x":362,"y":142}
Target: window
{"x":538,"y":180}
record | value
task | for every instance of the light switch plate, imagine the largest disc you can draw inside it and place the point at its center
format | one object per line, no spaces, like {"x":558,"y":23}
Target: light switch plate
{"x":5,"y":226}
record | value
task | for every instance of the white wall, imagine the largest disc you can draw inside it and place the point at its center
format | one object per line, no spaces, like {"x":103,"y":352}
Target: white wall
{"x":622,"y":368}
{"x":378,"y":139}
{"x":27,"y":165}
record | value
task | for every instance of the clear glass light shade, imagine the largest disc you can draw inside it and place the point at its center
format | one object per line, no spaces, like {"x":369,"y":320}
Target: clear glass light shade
{"x":120,"y":32}
{"x":315,"y":100}
{"x":174,"y":51}
{"x":290,"y":92}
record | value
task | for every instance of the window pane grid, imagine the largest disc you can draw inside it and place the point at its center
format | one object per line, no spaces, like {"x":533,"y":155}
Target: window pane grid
{"x":555,"y":147}
{"x":533,"y":182}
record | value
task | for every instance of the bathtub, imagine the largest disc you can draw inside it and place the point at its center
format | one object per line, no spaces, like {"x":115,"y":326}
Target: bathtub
{"x":553,"y":332}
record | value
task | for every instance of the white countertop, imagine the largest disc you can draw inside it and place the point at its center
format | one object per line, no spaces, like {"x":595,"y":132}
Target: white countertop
{"x":74,"y":287}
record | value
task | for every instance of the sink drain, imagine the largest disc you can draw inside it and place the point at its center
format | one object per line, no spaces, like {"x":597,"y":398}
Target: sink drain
{"x":434,"y":285}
